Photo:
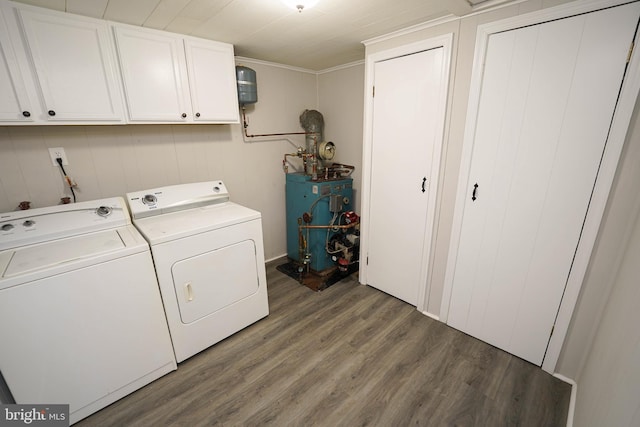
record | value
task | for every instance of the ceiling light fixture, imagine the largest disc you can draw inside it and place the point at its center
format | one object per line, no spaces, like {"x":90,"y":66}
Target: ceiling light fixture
{"x":300,"y":4}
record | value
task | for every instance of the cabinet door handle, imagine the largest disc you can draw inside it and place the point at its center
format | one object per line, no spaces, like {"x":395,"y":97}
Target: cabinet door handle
{"x":197,"y":114}
{"x":26,"y":114}
{"x":475,"y":192}
{"x":184,"y":115}
{"x":424,"y":181}
{"x":52,"y":113}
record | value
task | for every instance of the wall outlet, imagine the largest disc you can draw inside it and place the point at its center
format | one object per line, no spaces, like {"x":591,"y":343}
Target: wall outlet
{"x":58,"y":152}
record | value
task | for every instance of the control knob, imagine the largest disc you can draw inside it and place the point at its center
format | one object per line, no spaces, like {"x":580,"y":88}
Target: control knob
{"x":149,"y":199}
{"x":104,"y":211}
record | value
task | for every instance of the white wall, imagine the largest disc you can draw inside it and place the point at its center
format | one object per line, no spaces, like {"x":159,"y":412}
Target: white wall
{"x":609,"y":385}
{"x":609,"y":251}
{"x":110,"y":161}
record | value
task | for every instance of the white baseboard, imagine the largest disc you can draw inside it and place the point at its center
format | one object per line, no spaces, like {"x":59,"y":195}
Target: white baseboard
{"x":275,"y":258}
{"x":433,"y":316}
{"x":572,"y":402}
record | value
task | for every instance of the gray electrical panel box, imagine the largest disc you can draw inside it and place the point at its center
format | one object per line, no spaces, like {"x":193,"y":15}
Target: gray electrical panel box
{"x":335,"y":203}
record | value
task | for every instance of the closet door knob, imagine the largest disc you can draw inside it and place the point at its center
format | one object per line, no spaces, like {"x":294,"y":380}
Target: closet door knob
{"x":197,"y":114}
{"x":52,"y":113}
{"x":26,"y":114}
{"x":184,"y":115}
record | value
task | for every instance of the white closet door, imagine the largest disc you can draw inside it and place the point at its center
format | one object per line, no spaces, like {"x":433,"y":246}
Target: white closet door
{"x":548,"y":96}
{"x":407,"y":125}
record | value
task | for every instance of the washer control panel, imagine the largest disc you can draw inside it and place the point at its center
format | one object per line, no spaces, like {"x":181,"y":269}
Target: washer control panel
{"x":149,"y":199}
{"x":174,"y":198}
{"x":19,"y":228}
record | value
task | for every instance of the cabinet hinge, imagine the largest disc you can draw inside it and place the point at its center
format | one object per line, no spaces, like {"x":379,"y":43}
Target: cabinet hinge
{"x":374,"y":92}
{"x":367,"y":259}
{"x":630,"y":52}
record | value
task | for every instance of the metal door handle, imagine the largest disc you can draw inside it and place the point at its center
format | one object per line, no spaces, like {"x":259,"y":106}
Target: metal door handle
{"x":424,"y":181}
{"x":475,"y":191}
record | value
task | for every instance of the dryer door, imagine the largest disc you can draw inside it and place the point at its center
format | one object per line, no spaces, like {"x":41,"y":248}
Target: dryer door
{"x":211,"y":281}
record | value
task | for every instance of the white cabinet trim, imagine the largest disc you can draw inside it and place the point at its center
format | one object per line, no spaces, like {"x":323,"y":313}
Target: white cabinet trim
{"x":621,"y":119}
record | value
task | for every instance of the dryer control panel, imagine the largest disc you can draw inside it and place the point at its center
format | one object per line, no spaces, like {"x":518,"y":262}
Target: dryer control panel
{"x":174,"y":198}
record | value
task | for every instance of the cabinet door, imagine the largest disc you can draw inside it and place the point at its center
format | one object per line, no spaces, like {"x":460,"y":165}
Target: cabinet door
{"x":212,"y":81}
{"x":14,"y":102}
{"x":74,"y":65}
{"x":154,"y":74}
{"x":548,"y":94}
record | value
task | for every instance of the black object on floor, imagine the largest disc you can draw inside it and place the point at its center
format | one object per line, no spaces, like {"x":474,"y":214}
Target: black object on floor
{"x":315,"y":281}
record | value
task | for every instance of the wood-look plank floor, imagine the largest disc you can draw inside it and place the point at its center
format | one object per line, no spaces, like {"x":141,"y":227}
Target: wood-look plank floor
{"x":347,"y":356}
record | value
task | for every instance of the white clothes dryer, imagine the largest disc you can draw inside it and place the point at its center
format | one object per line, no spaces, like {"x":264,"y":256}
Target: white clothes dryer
{"x":209,"y":259}
{"x":81,"y":317}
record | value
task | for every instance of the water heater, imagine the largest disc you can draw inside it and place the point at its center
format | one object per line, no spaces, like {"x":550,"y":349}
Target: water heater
{"x":247,"y":85}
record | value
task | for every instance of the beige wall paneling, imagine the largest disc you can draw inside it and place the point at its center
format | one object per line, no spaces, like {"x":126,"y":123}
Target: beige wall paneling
{"x":617,"y":222}
{"x":341,"y":93}
{"x":109,"y":161}
{"x":609,"y":385}
{"x":283,"y":94}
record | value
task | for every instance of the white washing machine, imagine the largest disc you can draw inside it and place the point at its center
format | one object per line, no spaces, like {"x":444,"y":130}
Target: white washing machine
{"x":209,"y":259}
{"x":81,"y":318}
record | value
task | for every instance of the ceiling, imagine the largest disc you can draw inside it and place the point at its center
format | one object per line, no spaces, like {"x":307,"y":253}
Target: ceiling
{"x":316,"y":39}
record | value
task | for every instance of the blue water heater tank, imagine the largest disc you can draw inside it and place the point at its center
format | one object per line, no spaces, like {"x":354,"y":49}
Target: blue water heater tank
{"x":247,"y":85}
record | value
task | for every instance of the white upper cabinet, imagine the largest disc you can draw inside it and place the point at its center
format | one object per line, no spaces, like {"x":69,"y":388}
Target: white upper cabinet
{"x":212,"y":81}
{"x":154,"y":75}
{"x":14,"y":102}
{"x":60,"y":68}
{"x":170,"y":78}
{"x":74,"y":67}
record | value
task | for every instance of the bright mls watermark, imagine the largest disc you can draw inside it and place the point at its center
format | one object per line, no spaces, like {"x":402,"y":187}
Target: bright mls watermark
{"x":34,"y":415}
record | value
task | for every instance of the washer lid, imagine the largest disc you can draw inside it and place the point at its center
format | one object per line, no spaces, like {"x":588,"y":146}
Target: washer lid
{"x":176,"y":225}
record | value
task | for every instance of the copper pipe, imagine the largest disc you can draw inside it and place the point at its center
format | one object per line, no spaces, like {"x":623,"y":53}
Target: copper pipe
{"x":245,"y":125}
{"x":341,"y":227}
{"x":303,"y":155}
